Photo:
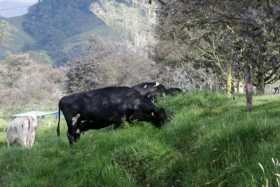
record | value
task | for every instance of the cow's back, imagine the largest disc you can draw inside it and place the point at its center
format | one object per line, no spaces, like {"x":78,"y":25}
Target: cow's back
{"x":103,"y":102}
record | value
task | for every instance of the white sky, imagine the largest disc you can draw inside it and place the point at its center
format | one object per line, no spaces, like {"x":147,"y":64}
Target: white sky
{"x":20,"y":1}
{"x":11,"y":8}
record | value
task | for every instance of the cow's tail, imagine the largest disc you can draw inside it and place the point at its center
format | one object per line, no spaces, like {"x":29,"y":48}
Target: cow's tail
{"x":58,"y":124}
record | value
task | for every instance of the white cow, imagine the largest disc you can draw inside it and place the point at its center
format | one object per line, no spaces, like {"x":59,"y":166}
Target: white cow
{"x":22,"y":131}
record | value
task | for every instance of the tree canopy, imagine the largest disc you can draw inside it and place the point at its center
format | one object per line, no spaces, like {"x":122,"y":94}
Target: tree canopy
{"x":226,"y":36}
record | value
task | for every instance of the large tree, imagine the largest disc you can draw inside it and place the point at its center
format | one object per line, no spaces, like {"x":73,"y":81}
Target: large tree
{"x":227,"y":36}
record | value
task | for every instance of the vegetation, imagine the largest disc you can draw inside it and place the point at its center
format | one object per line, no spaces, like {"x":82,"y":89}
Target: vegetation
{"x":27,"y":81}
{"x":53,"y":23}
{"x":233,"y":38}
{"x":209,"y":141}
{"x":108,"y":63}
{"x":13,"y":39}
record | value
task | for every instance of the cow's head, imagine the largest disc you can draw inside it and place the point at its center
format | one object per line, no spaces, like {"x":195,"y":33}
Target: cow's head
{"x":73,"y":136}
{"x":158,"y":117}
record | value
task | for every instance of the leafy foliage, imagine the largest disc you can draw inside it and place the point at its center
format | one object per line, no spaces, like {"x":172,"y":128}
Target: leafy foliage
{"x":109,"y":63}
{"x":223,"y":34}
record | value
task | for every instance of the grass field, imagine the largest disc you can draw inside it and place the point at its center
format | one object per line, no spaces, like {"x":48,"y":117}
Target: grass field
{"x":210,"y":140}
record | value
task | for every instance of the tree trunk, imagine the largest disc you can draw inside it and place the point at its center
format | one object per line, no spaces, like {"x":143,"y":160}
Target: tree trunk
{"x":249,"y":89}
{"x":229,"y":79}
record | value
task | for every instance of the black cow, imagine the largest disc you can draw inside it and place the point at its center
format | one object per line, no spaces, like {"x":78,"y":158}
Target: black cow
{"x":154,"y":89}
{"x":103,"y":107}
{"x":150,"y":89}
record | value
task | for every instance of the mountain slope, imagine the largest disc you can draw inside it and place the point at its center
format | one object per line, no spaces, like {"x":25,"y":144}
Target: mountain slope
{"x":14,"y":39}
{"x":64,"y":28}
{"x":53,"y":22}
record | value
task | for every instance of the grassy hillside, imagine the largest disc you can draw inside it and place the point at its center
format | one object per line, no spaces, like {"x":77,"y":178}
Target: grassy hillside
{"x":209,"y":141}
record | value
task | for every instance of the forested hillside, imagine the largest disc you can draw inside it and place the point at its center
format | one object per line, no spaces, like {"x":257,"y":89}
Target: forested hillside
{"x":52,"y":22}
{"x":14,"y":39}
{"x":61,"y":28}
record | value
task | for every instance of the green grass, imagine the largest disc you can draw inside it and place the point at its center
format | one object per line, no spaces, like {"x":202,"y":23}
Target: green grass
{"x":209,"y":140}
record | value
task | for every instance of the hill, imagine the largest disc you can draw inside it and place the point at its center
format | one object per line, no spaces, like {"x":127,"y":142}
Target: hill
{"x":14,"y":38}
{"x":53,"y":23}
{"x":209,"y":141}
{"x":62,"y":28}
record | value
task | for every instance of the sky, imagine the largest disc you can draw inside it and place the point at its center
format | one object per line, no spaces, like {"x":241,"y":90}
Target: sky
{"x":12,"y":8}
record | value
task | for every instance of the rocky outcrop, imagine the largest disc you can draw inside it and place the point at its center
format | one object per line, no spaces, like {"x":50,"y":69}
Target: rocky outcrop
{"x":134,"y":20}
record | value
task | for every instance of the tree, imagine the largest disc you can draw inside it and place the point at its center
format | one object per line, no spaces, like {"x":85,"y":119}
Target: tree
{"x":248,"y":27}
{"x":108,"y":63}
{"x":23,"y":84}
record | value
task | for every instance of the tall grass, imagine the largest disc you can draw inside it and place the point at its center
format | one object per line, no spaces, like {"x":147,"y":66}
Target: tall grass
{"x":209,"y":140}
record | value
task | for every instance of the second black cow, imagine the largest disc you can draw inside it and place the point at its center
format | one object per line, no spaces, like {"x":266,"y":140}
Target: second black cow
{"x":103,"y":107}
{"x":152,"y":90}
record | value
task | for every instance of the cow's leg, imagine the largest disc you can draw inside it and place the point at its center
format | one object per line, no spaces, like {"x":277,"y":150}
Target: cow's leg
{"x":32,"y":138}
{"x":123,"y":117}
{"x":70,"y":138}
{"x":129,"y":115}
{"x":73,"y":132}
{"x":76,"y":120}
{"x":23,"y":141}
{"x":70,"y":131}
